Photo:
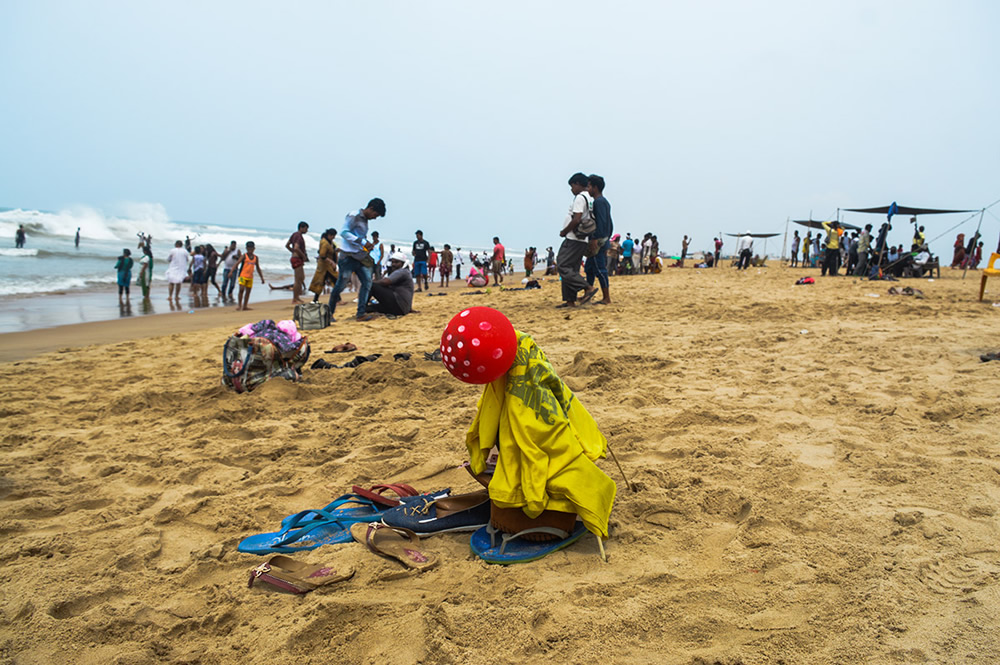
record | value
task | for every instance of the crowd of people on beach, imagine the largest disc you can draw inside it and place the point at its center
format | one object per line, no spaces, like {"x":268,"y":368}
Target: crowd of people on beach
{"x":863,"y":253}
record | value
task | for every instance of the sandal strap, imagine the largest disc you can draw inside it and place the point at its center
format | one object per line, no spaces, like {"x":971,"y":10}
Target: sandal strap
{"x":375,"y":527}
{"x":550,"y":530}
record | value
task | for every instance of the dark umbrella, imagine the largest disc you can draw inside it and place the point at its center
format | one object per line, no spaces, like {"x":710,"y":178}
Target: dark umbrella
{"x":813,"y":224}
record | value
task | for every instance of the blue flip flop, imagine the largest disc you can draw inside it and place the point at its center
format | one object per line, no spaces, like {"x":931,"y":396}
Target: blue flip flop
{"x":299,"y":533}
{"x":357,"y":508}
{"x":511,"y":548}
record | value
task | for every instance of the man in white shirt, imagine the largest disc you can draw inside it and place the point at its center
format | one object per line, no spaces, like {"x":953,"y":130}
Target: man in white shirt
{"x":574,"y":246}
{"x":458,"y":263}
{"x":745,"y":248}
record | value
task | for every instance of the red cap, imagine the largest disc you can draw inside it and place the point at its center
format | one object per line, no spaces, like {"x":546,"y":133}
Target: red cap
{"x":478,"y":345}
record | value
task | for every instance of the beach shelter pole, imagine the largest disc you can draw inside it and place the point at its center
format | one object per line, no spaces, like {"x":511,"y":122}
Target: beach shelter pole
{"x":974,"y":235}
{"x":784,"y":243}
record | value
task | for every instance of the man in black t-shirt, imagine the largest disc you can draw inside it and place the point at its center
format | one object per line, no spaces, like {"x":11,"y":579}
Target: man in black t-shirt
{"x":420,"y":249}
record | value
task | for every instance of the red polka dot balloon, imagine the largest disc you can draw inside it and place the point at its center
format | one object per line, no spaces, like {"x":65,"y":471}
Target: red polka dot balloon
{"x":479,"y":345}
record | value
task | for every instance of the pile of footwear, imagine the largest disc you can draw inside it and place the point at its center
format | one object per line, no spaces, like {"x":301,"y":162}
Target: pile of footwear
{"x":393,"y":527}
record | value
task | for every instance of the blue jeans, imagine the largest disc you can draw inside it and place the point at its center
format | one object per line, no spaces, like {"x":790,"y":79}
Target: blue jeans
{"x":347,"y":265}
{"x":597,"y":266}
{"x":228,"y":282}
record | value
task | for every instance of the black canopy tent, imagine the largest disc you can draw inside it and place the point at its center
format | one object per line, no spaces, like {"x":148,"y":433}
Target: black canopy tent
{"x":895,"y":209}
{"x":814,"y":224}
{"x":765,"y":236}
{"x":904,"y":210}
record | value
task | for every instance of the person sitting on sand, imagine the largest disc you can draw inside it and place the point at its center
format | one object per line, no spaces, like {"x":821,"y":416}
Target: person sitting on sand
{"x":245,"y":270}
{"x":545,"y":476}
{"x":394,"y":292}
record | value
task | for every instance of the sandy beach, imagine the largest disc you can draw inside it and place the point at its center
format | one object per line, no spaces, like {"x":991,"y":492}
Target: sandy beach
{"x":817,"y":476}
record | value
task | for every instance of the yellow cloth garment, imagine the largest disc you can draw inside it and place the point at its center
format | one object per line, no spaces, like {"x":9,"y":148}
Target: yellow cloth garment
{"x":547,"y":443}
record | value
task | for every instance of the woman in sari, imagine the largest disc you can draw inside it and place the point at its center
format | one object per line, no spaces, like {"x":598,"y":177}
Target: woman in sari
{"x":326,"y":267}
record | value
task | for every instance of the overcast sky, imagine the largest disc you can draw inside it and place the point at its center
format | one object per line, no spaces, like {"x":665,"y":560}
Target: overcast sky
{"x":468,"y":118}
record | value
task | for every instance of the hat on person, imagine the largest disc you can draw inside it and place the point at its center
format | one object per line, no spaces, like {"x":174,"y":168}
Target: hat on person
{"x":398,"y":256}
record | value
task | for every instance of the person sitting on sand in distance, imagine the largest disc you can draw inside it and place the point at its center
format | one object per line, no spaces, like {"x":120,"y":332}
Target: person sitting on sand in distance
{"x":245,"y":270}
{"x":394,"y":292}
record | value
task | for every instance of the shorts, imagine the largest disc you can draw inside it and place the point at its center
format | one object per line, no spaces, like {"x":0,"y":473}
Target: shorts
{"x":419,"y":268}
{"x":246,"y":281}
{"x":198,"y":277}
{"x":297,"y":262}
{"x":497,"y":266}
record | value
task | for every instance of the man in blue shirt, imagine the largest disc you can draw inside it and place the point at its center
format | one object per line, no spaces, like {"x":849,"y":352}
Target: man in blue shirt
{"x":354,"y":257}
{"x":627,"y":248}
{"x":596,"y":266}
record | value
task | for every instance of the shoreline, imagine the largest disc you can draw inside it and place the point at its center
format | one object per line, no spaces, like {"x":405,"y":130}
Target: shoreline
{"x":26,"y":343}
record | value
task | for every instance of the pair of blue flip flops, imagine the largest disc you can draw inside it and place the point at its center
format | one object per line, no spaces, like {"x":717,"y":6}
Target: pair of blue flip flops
{"x":309,"y":529}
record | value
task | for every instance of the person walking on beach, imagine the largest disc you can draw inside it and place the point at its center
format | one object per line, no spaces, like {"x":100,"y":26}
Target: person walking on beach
{"x":529,"y":262}
{"x":247,"y":264}
{"x":550,"y":261}
{"x":326,"y":264}
{"x":76,"y":241}
{"x":806,"y":245}
{"x":420,"y":249}
{"x":745,"y":248}
{"x":574,"y":246}
{"x":19,"y":237}
{"x":718,"y":251}
{"x":795,"y":249}
{"x":297,"y":246}
{"x":177,"y":267}
{"x":432,"y":262}
{"x":354,"y":259}
{"x":684,"y":250}
{"x":230,"y":257}
{"x":596,"y":266}
{"x":446,"y":259}
{"x":199,"y":276}
{"x":211,"y":267}
{"x":458,"y":263}
{"x":832,"y":257}
{"x":124,"y":268}
{"x":499,"y":259}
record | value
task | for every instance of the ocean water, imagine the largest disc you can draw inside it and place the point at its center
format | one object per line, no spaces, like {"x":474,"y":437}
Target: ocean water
{"x":50,"y":266}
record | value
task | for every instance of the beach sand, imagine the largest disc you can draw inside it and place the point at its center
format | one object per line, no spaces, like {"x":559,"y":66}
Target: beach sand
{"x":817,"y":475}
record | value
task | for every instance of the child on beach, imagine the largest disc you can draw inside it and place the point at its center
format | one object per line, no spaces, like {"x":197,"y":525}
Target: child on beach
{"x":245,"y":270}
{"x":124,"y":268}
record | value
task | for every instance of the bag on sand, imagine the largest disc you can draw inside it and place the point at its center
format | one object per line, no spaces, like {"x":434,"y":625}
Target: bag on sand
{"x":248,"y":362}
{"x":312,"y":316}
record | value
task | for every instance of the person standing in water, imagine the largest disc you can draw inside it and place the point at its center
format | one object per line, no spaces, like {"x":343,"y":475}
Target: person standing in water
{"x":177,"y":266}
{"x":145,"y":279}
{"x":77,"y":241}
{"x":124,"y":268}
